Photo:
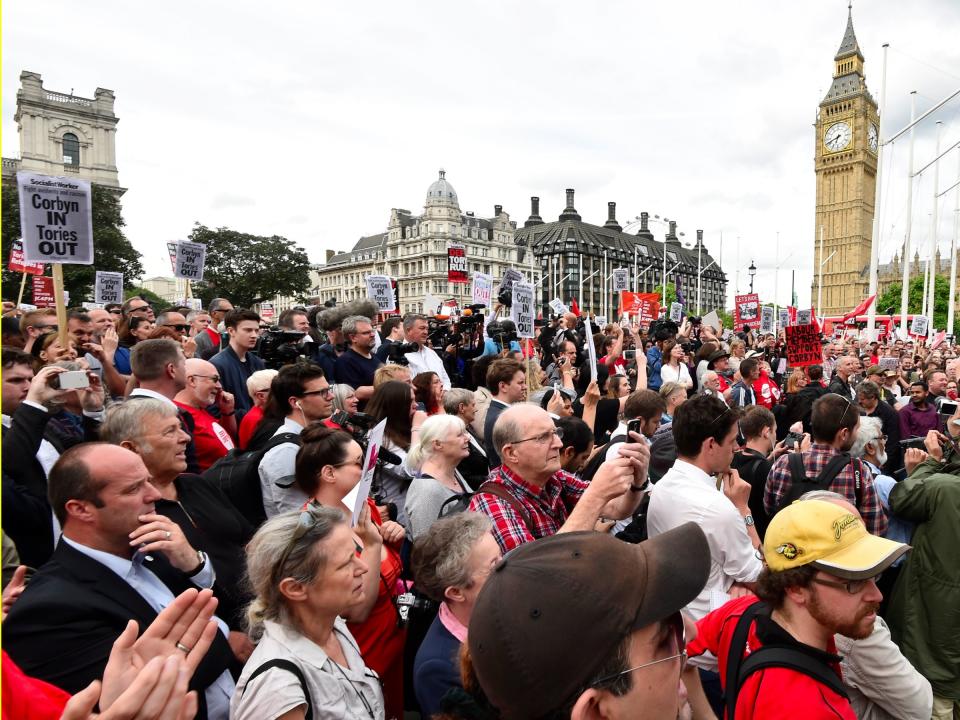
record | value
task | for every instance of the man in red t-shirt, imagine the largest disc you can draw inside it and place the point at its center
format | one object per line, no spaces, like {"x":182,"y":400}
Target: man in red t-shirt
{"x":213,"y":437}
{"x":820,"y":579}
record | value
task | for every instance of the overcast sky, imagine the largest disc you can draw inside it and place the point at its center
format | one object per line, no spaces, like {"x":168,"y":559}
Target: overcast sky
{"x":312,"y":120}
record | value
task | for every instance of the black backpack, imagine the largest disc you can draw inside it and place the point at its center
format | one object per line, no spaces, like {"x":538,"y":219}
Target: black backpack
{"x":800,"y":483}
{"x":237,"y":475}
{"x":739,"y":668}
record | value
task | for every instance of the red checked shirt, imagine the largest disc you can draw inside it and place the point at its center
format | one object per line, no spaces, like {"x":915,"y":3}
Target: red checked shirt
{"x":779,"y":482}
{"x":548,"y":506}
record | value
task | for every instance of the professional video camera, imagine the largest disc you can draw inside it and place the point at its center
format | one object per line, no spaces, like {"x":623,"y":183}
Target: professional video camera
{"x":278,"y":347}
{"x":663,"y":329}
{"x":357,"y":424}
{"x":396,"y":352}
{"x":503,"y":332}
{"x":440,"y":333}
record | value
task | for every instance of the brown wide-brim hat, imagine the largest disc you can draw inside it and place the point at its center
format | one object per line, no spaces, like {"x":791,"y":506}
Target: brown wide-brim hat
{"x":555,"y":609}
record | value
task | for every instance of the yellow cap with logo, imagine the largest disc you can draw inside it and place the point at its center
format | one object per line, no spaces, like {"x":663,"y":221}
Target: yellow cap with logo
{"x":829,"y":537}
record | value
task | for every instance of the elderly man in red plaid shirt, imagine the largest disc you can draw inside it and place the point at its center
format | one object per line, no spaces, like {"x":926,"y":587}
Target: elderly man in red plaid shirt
{"x":530,"y":497}
{"x":834,"y":422}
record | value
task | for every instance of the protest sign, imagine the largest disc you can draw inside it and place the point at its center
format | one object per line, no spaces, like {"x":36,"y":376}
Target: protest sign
{"x":600,"y":320}
{"x":557,"y":306}
{"x":804,"y":317}
{"x":18,"y":263}
{"x":803,"y":345}
{"x":621,"y":279}
{"x":457,"y":264}
{"x":266,"y":310}
{"x":190,"y":260}
{"x":889,"y":363}
{"x":676,"y":312}
{"x":43,"y":291}
{"x":56,"y":220}
{"x":746,"y":311}
{"x":431,"y":304}
{"x":712,"y":319}
{"x":482,"y":288}
{"x":591,"y":349}
{"x":510,"y":276}
{"x":646,"y":306}
{"x":172,"y":251}
{"x":194,"y":304}
{"x":380,"y":290}
{"x":91,"y":305}
{"x":784,"y":317}
{"x":766,"y":319}
{"x":938,"y":339}
{"x":357,"y":497}
{"x":919,"y":326}
{"x":522,"y":310}
{"x":109,"y":287}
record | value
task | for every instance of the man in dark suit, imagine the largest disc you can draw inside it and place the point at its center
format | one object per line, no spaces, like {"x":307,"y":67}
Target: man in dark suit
{"x":507,"y":382}
{"x":117,"y":560}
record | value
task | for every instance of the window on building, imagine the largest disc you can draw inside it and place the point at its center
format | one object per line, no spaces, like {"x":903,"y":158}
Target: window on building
{"x":71,"y":150}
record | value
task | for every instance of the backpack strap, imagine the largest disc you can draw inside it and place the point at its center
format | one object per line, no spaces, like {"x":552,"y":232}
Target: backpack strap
{"x":832,"y":469}
{"x":277,"y":441}
{"x":494,"y":488}
{"x":290,"y":667}
{"x":798,"y":473}
{"x":793,"y":659}
{"x":738,"y":644}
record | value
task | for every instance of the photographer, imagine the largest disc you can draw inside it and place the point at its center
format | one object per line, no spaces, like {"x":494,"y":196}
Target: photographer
{"x":357,"y":365}
{"x":502,"y":336}
{"x":415,"y":329}
{"x":391,"y":333}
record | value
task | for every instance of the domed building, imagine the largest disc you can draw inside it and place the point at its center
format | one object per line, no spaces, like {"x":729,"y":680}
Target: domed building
{"x":414,"y":250}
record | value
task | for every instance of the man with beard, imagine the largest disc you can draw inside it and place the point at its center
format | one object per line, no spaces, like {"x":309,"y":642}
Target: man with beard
{"x":357,"y":365}
{"x":834,"y":421}
{"x":820,"y":580}
{"x":918,"y":417}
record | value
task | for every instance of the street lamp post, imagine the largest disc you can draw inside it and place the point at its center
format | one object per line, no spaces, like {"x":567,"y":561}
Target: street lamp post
{"x":753,"y":271}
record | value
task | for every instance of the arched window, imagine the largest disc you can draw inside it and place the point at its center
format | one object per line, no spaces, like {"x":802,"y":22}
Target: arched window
{"x":71,"y":150}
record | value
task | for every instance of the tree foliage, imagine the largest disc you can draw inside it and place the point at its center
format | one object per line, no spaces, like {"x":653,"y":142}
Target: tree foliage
{"x":671,"y":293}
{"x":915,"y":300}
{"x":111,"y":249}
{"x":250,"y":268}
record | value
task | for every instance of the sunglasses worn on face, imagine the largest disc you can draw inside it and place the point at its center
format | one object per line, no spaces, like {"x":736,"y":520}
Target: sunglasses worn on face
{"x":179,"y":328}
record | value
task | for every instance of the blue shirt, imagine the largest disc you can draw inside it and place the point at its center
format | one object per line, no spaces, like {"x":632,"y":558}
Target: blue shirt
{"x":436,"y":668}
{"x":654,"y":362}
{"x":233,"y":376}
{"x":354,"y":369}
{"x":491,"y":347}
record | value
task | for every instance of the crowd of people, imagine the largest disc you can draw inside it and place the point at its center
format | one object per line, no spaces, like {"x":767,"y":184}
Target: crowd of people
{"x":693,"y":527}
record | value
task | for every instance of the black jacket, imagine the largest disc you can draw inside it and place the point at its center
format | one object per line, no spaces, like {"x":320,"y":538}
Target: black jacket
{"x":62,"y":628}
{"x":493,"y":412}
{"x":801,"y":407}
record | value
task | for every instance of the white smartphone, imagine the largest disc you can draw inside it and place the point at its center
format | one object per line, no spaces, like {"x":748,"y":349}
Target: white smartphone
{"x":73,"y":380}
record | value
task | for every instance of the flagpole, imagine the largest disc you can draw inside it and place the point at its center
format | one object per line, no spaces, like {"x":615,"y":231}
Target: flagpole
{"x":820,"y":275}
{"x":875,"y":237}
{"x":953,"y":256}
{"x":931,"y":299}
{"x":905,"y":287}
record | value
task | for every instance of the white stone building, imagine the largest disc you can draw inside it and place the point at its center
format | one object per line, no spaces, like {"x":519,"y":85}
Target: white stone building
{"x":414,"y":251}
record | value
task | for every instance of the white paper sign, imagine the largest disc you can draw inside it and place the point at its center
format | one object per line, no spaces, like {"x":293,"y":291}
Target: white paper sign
{"x":357,"y":497}
{"x":482,"y":289}
{"x":621,"y":279}
{"x":784,"y":317}
{"x":109,"y":287}
{"x":56,"y":219}
{"x":766,"y":319}
{"x":91,"y":306}
{"x":804,"y":317}
{"x":431,"y":304}
{"x":266,"y":310}
{"x":782,"y":366}
{"x":522,"y":311}
{"x":191,"y":257}
{"x":557,"y":306}
{"x":600,"y":320}
{"x":889,"y":363}
{"x":591,"y":349}
{"x":676,"y":312}
{"x":194,"y":304}
{"x":712,"y":319}
{"x":919,"y":325}
{"x":380,"y":291}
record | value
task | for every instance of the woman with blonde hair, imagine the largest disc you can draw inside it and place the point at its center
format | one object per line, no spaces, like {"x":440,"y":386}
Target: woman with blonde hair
{"x":738,"y":349}
{"x":432,"y":461}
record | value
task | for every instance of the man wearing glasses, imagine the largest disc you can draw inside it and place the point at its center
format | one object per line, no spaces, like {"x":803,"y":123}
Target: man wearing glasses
{"x":820,"y":580}
{"x":209,"y":341}
{"x":138,"y":306}
{"x":357,"y":365}
{"x":529,"y":496}
{"x":303,"y":390}
{"x":213,"y":437}
{"x":35,"y":325}
{"x":583,"y":625}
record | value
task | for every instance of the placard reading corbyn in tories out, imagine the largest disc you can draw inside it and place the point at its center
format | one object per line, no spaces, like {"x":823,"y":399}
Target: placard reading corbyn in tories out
{"x":55,"y":219}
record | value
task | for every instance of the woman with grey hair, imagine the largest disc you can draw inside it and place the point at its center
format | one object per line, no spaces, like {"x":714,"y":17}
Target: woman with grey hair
{"x":345,"y":398}
{"x":433,"y":461}
{"x":451,"y":562}
{"x":305,"y":574}
{"x":474,"y":468}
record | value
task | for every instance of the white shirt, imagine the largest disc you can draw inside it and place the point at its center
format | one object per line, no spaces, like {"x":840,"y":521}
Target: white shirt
{"x":144,"y":392}
{"x":426,"y":360}
{"x":687,"y":494}
{"x":158,"y":596}
{"x":680,"y":375}
{"x":277,"y":468}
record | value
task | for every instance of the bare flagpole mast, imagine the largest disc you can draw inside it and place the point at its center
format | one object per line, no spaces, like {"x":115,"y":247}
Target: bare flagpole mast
{"x":875,"y":237}
{"x":905,"y":288}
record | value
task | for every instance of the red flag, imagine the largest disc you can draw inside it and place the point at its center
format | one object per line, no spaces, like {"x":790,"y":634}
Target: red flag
{"x":938,"y":339}
{"x":860,"y":309}
{"x":574,"y":308}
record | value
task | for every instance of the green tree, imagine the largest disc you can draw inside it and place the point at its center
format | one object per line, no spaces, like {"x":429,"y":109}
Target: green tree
{"x":671,"y":293}
{"x":250,"y":268}
{"x":915,"y":301}
{"x":111,"y":249}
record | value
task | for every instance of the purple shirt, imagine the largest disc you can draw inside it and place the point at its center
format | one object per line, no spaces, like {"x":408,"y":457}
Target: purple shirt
{"x":915,"y":422}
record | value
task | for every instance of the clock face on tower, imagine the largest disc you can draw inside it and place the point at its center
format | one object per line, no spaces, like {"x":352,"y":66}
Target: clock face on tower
{"x":837,"y":136}
{"x":872,"y":135}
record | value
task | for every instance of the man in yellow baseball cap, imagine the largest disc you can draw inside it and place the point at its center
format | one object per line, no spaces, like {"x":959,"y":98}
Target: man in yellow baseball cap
{"x":820,"y":580}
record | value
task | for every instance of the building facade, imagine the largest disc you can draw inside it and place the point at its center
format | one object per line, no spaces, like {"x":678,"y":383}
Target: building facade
{"x":577,"y":258}
{"x":414,"y":251}
{"x":63,"y":134}
{"x":845,"y":161}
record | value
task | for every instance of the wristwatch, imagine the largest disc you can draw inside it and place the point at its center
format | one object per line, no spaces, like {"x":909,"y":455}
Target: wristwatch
{"x":202,"y":558}
{"x":748,"y":520}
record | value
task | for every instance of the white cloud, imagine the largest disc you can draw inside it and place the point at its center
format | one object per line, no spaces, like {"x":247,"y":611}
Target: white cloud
{"x":313,"y":120}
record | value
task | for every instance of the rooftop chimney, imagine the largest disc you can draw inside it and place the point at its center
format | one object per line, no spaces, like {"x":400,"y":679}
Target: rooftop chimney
{"x":330,"y":254}
{"x":700,"y":246}
{"x":497,"y":209}
{"x":570,"y":212}
{"x":534,"y":218}
{"x":612,"y":217}
{"x":672,"y":238}
{"x":644,"y":230}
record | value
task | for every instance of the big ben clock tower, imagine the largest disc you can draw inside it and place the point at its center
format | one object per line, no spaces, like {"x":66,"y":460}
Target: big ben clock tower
{"x":846,"y":168}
